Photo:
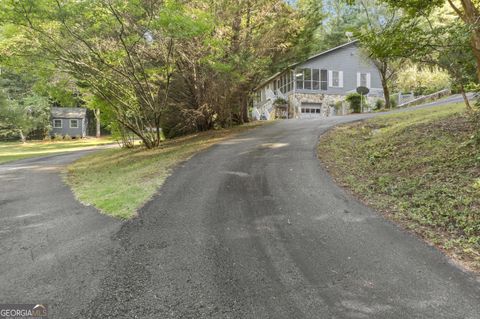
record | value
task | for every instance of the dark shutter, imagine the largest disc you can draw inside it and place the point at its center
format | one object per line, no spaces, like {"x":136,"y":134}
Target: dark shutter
{"x":323,"y":80}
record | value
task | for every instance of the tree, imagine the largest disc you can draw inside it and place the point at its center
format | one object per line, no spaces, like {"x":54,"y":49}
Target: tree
{"x":375,"y":35}
{"x":342,"y":19}
{"x":182,"y":66}
{"x":26,"y":58}
{"x":23,"y":117}
{"x":451,"y":53}
{"x":121,"y":51}
{"x":22,"y":109}
{"x":248,"y":41}
{"x":467,"y":10}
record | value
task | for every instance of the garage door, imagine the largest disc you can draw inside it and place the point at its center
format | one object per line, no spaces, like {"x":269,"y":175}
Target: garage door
{"x":311,"y":110}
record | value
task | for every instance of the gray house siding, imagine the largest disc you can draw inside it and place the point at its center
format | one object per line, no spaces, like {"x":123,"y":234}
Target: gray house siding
{"x":348,"y":60}
{"x":66,"y":129}
{"x":302,"y":84}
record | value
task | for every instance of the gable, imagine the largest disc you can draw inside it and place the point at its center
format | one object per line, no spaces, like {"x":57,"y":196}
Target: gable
{"x":348,"y":58}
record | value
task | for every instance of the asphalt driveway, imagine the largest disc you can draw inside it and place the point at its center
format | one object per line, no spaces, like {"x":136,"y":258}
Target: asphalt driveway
{"x":52,"y":248}
{"x":255,"y":228}
{"x":251,"y":228}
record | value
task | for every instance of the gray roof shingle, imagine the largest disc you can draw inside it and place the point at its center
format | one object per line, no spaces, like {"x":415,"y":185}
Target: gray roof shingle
{"x":69,"y":112}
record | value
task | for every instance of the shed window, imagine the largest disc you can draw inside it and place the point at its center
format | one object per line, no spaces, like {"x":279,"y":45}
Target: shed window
{"x":57,"y":123}
{"x":73,"y":123}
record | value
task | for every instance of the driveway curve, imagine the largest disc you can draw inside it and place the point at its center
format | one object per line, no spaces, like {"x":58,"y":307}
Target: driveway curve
{"x":255,"y":228}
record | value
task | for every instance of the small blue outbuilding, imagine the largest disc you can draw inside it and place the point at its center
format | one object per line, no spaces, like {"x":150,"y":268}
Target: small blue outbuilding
{"x":70,"y":121}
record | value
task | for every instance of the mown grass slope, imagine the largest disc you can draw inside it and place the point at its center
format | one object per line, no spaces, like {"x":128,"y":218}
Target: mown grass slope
{"x":419,"y":169}
{"x":12,"y":151}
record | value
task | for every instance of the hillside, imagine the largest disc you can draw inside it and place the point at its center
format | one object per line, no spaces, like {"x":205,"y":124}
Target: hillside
{"x":419,"y":169}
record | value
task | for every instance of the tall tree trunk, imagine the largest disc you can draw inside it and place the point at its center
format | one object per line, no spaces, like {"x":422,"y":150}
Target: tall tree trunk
{"x":22,"y":137}
{"x":97,"y":123}
{"x":386,"y":94}
{"x":383,"y":68}
{"x":465,"y":98}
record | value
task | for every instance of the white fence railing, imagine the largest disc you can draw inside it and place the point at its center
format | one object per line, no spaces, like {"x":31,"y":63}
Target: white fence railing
{"x":405,"y":98}
{"x":424,"y":98}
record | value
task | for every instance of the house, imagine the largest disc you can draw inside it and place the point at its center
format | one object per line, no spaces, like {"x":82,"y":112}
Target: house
{"x":318,"y":86}
{"x":70,"y":121}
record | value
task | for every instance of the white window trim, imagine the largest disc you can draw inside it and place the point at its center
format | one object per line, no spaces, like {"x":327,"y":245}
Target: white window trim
{"x":70,"y":123}
{"x":330,"y":79}
{"x":369,"y":79}
{"x":61,"y":123}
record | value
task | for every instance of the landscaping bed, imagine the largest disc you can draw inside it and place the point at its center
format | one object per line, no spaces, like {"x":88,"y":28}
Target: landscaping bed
{"x":419,"y":169}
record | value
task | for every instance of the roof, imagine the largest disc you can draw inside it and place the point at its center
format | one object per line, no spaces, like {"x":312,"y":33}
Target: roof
{"x":308,"y":59}
{"x":69,"y":112}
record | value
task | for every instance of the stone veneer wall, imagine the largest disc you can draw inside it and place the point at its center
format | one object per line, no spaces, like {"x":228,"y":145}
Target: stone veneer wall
{"x":328,"y":100}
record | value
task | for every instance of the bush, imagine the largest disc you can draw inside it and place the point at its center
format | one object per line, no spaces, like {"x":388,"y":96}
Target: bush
{"x":379,"y":104}
{"x":280,"y":102}
{"x":77,"y":137}
{"x":393,"y":103}
{"x":67,"y":137}
{"x":422,"y":80}
{"x":355,"y":101}
{"x":57,"y":137}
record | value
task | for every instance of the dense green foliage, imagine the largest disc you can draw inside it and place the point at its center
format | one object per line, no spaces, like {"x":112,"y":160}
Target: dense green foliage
{"x":356,"y":102}
{"x":159,"y":69}
{"x":22,"y":110}
{"x":441,"y":32}
{"x":181,"y":66}
{"x":422,"y":81}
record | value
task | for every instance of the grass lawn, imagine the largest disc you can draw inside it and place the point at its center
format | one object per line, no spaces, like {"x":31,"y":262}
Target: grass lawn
{"x":11,"y":151}
{"x":418,"y":169}
{"x":119,"y":181}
